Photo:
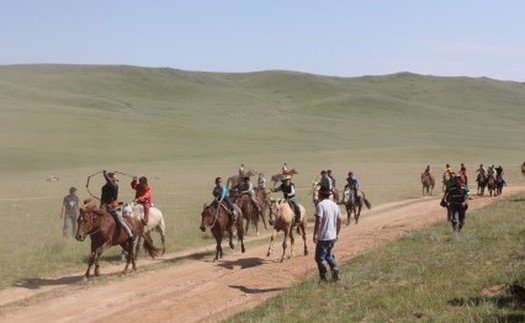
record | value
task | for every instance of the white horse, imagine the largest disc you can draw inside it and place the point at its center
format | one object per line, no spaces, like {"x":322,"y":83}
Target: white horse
{"x":155,"y":223}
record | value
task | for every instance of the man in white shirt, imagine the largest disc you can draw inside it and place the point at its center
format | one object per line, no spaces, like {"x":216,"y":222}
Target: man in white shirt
{"x":326,"y":230}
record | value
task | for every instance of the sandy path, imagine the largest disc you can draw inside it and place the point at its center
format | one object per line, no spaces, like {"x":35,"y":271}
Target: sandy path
{"x":199,"y":290}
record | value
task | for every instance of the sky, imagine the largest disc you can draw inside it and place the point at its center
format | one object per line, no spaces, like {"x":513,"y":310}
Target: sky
{"x":350,"y":38}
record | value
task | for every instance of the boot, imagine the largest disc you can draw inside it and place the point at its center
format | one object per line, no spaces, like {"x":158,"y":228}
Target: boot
{"x":335,"y":274}
{"x":322,"y":273}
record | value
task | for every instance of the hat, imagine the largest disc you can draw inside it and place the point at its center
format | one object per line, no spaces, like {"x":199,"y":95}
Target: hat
{"x":72,"y":189}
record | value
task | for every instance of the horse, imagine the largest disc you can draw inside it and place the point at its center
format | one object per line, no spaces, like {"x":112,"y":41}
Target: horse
{"x":234,"y":179}
{"x":427,"y":182}
{"x":215,"y":216}
{"x":282,"y":218}
{"x":250,"y":212}
{"x":155,"y":223}
{"x":499,"y":184}
{"x":523,"y":169}
{"x":482,"y":183}
{"x":278,"y":177}
{"x":354,"y":204}
{"x":491,"y":185}
{"x":334,"y":196}
{"x":104,"y":233}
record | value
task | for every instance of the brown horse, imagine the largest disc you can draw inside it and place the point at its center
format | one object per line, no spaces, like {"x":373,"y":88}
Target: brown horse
{"x":104,"y":233}
{"x":250,"y":212}
{"x":354,"y":204}
{"x":278,"y":177}
{"x":217,"y":219}
{"x":234,"y":179}
{"x":482,"y":183}
{"x":491,"y":185}
{"x":282,"y":218}
{"x":427,"y":182}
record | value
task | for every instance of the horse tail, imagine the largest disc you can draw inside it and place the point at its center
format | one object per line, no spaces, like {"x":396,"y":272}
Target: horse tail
{"x":152,"y":251}
{"x":367,"y":203}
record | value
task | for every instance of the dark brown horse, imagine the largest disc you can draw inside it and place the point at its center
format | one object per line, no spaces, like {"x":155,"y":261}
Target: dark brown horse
{"x":491,"y":185}
{"x":482,"y":183}
{"x":250,"y":212}
{"x":217,"y":219}
{"x":354,"y":203}
{"x":427,"y":182}
{"x":104,"y":233}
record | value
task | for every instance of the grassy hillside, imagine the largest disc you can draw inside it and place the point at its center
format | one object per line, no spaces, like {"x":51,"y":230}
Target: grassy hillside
{"x":182,"y":129}
{"x":99,"y":113}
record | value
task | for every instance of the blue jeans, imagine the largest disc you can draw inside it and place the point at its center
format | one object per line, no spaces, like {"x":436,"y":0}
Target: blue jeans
{"x":324,"y":255}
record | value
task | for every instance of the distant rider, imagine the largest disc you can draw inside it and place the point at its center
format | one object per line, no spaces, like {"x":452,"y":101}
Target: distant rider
{"x":246,"y":187}
{"x":353,"y":184}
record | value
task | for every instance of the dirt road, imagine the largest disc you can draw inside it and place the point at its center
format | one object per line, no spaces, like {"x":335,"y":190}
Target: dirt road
{"x":200,"y":290}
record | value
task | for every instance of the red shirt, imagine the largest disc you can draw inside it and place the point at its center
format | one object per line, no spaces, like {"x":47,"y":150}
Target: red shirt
{"x":143,"y":192}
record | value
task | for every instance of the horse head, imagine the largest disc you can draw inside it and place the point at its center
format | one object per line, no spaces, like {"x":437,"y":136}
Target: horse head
{"x":208,"y":215}
{"x":85,"y":223}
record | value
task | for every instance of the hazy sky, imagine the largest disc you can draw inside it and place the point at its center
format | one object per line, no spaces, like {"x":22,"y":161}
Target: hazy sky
{"x":344,"y":38}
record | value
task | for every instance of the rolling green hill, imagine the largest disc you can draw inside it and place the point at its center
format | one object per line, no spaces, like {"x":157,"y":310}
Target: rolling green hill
{"x":54,"y":116}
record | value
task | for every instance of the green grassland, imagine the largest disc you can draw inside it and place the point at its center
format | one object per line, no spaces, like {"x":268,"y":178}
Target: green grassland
{"x":182,"y":129}
{"x":429,"y":276}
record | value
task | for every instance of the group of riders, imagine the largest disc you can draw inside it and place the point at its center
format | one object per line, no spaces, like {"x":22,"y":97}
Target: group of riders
{"x":286,"y":187}
{"x":456,"y":191}
{"x":485,"y":173}
{"x":109,"y":200}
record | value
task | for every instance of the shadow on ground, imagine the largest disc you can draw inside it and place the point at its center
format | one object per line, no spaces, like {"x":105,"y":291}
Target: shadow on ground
{"x":243,"y":263}
{"x":36,"y":283}
{"x":248,"y":290}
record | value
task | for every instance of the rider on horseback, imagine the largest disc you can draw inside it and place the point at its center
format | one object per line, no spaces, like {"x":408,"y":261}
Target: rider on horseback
{"x":326,"y":182}
{"x":481,"y":170}
{"x":353,"y":184}
{"x":221,"y":194}
{"x":261,"y":182}
{"x":288,"y":189}
{"x":246,"y":187}
{"x":329,"y":173}
{"x":499,"y":174}
{"x":108,"y":200}
{"x":142,"y":196}
{"x":463,"y":171}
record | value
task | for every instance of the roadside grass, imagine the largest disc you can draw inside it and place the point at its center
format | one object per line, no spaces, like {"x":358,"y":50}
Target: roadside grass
{"x":430,"y":275}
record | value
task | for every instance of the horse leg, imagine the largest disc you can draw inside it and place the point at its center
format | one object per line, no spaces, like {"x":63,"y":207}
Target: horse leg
{"x":163,"y":241}
{"x":292,"y":243}
{"x":286,"y":232}
{"x":263,"y":218}
{"x":230,"y":235}
{"x":240,"y":235}
{"x":270,"y":247}
{"x":90,"y":263}
{"x":218,"y":249}
{"x":358,"y":213}
{"x":348,"y":215}
{"x":303,"y":233}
